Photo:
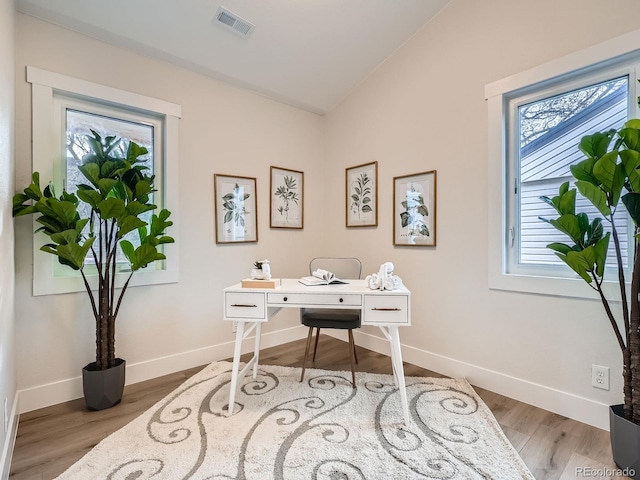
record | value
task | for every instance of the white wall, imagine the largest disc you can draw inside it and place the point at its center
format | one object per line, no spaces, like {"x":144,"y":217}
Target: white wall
{"x":7,"y":276}
{"x":223,"y":130}
{"x":424,"y":109}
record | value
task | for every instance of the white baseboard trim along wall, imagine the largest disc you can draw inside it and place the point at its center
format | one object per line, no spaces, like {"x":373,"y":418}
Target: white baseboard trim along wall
{"x":53,"y":393}
{"x":556,"y":401}
{"x":12,"y":431}
{"x":562,"y":403}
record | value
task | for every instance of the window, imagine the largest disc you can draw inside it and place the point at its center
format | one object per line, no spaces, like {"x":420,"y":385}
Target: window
{"x":536,"y":121}
{"x":64,"y":111}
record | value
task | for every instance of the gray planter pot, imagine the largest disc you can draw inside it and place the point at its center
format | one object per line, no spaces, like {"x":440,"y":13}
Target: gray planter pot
{"x":103,"y":388}
{"x":625,"y":442}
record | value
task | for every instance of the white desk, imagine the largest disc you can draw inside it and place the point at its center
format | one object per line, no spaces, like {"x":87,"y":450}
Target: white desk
{"x":251,"y":307}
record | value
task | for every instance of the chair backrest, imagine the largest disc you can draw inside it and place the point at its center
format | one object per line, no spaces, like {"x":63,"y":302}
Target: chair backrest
{"x":342,"y":267}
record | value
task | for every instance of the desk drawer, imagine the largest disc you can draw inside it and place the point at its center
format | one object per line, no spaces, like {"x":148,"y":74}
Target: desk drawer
{"x":386,"y":309}
{"x":308,"y":299}
{"x":244,"y":305}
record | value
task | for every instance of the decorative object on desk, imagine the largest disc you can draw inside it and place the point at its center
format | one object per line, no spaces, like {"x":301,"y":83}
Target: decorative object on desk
{"x":236,"y":209}
{"x":261,"y":270}
{"x":384,"y":279}
{"x":321,"y":277}
{"x":90,"y":227}
{"x":286,"y":201}
{"x":608,"y":178}
{"x":256,"y":283}
{"x":414,"y":209}
{"x":362,"y":195}
{"x":321,"y":428}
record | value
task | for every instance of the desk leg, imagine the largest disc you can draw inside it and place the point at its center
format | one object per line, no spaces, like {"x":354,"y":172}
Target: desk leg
{"x":398,"y":370}
{"x":236,"y":365}
{"x":256,"y":349}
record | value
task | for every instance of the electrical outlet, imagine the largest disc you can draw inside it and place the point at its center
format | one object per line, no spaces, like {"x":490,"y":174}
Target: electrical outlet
{"x":6,"y":415}
{"x":234,"y":328}
{"x":600,"y":377}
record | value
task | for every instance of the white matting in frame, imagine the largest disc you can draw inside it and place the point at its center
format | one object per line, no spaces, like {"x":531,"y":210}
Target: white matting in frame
{"x":236,"y":212}
{"x":414,"y":209}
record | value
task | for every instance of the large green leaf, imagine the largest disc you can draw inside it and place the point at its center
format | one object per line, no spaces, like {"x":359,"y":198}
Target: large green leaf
{"x":568,"y":224}
{"x":91,"y":197}
{"x":143,"y":256}
{"x":127,"y":249}
{"x":631,"y":137}
{"x":111,"y":208}
{"x":559,"y":247}
{"x":105,"y":185}
{"x":584,"y":170}
{"x":65,"y":211}
{"x":604,"y":170}
{"x":65,"y":237}
{"x":631,"y":162}
{"x":129,"y":223}
{"x":134,"y":151}
{"x":596,"y":145}
{"x":600,"y":253}
{"x":72,"y":254}
{"x":136,"y":208}
{"x":631,"y":202}
{"x":567,"y":202}
{"x":91,"y":171}
{"x":595,"y":195}
{"x":579,"y":264}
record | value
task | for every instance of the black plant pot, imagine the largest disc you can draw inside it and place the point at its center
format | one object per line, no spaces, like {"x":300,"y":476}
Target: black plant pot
{"x":625,"y":442}
{"x":103,"y":388}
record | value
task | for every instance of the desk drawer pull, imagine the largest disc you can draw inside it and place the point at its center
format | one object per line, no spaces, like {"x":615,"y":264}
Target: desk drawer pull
{"x":387,"y":309}
{"x":243,"y":305}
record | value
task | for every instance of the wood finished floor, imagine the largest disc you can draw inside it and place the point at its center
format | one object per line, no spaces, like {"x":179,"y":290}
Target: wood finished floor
{"x":51,"y":439}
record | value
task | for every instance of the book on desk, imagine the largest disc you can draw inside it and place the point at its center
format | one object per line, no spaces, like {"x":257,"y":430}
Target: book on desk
{"x":321,"y":277}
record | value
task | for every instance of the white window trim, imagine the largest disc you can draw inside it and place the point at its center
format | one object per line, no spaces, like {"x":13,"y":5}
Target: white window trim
{"x":44,"y":83}
{"x":496,"y":93}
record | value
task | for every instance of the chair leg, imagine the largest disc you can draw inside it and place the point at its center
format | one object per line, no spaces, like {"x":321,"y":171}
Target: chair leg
{"x":306,"y":353}
{"x":355,"y":355}
{"x":352,"y":351}
{"x":315,"y":347}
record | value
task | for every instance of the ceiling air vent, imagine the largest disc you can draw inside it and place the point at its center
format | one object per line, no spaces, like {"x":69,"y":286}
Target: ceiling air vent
{"x":234,"y":22}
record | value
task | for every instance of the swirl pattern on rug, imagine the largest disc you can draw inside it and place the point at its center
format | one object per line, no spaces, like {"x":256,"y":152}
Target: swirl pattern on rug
{"x":320,"y":429}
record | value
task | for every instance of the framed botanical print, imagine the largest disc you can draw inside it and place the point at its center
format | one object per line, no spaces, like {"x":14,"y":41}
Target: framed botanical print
{"x":362,"y":195}
{"x":236,"y":212}
{"x":414,"y":209}
{"x":286,"y":198}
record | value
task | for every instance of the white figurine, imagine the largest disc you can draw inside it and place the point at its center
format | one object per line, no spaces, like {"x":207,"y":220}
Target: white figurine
{"x":384,"y":279}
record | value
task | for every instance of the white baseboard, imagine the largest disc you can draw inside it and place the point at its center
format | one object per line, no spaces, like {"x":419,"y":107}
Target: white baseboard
{"x":10,"y":440}
{"x":69,"y":389}
{"x":556,"y":401}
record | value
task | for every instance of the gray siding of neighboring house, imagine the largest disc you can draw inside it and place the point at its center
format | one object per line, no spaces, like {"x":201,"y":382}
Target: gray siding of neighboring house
{"x":546,"y":166}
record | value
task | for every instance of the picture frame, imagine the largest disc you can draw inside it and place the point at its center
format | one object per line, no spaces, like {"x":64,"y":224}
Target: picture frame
{"x":236,"y":209}
{"x":414,"y":209}
{"x":286,"y":198}
{"x":361,"y":184}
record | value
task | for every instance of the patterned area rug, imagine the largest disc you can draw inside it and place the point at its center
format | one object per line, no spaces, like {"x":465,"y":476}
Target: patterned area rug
{"x":319,"y":429}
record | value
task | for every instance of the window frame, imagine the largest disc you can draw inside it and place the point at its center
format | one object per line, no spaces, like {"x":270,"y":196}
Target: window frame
{"x":46,"y":137}
{"x":606,"y":59}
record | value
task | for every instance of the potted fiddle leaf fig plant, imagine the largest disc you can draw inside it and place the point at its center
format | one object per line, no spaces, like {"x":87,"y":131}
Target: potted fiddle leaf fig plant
{"x":609,"y":174}
{"x":116,"y":195}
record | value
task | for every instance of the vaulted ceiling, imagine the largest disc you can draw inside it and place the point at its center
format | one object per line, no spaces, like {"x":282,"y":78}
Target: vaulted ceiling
{"x":307,"y":53}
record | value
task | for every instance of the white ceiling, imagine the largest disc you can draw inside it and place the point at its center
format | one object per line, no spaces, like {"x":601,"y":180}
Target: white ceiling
{"x":307,"y":53}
